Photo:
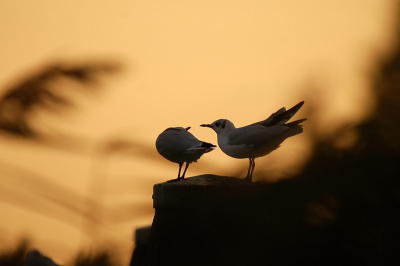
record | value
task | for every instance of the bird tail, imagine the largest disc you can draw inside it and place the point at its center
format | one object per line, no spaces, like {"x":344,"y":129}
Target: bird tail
{"x":294,"y":128}
{"x":209,"y":147}
{"x":281,"y":116}
{"x":204,"y":148}
{"x":285,"y":116}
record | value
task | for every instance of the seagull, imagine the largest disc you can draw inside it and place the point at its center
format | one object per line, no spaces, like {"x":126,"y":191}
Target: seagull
{"x":258,"y":139}
{"x":178,"y":145}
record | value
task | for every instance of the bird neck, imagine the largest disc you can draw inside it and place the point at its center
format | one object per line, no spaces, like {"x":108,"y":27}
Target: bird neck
{"x":226,"y":131}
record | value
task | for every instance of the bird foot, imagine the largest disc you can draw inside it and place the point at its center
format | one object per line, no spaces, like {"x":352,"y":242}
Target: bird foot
{"x":174,"y":180}
{"x":247,"y":179}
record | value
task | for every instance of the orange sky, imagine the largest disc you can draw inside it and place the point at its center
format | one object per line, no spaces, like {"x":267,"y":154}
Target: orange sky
{"x":186,"y":64}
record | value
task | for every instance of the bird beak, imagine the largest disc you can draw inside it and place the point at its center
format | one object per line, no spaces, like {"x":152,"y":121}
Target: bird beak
{"x":205,"y":125}
{"x":187,"y":128}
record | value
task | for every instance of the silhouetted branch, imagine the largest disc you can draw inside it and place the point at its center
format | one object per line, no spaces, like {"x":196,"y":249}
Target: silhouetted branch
{"x":43,"y":90}
{"x":100,"y":258}
{"x":15,"y":257}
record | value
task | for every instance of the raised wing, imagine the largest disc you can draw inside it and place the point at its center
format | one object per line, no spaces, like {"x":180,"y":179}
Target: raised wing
{"x":280,"y":117}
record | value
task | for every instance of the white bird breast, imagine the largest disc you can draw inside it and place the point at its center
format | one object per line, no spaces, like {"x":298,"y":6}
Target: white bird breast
{"x":235,"y":151}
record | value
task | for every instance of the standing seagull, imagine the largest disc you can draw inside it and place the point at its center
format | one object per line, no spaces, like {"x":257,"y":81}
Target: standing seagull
{"x":178,"y":145}
{"x":258,"y":139}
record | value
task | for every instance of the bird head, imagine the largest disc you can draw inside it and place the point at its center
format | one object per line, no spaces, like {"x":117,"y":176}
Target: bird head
{"x":220,"y":126}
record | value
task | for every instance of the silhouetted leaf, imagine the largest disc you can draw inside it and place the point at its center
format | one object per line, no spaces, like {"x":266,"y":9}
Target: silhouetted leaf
{"x":42,"y":90}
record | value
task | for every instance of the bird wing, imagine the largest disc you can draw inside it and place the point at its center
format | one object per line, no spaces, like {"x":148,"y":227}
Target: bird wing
{"x":255,"y":135}
{"x":174,"y":142}
{"x":201,"y":147}
{"x":280,"y":117}
{"x":270,"y":118}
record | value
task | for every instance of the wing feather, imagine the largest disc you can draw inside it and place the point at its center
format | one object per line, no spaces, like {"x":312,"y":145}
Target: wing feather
{"x":255,"y":135}
{"x":280,"y":117}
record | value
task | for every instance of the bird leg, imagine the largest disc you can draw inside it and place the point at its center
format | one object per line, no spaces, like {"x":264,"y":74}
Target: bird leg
{"x":187,"y":165}
{"x":248,"y":172}
{"x":252,"y":165}
{"x":179,"y":173}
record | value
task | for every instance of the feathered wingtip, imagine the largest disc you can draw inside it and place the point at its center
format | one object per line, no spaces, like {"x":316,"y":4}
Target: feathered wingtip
{"x":207,"y":145}
{"x":204,"y":148}
{"x":297,"y":122}
{"x":295,"y":127}
{"x":281,"y":116}
{"x":285,"y":116}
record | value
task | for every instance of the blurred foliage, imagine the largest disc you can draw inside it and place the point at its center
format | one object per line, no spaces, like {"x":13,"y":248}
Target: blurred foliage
{"x":15,"y":257}
{"x":351,"y":197}
{"x":35,"y":258}
{"x":24,"y":255}
{"x":99,"y":258}
{"x":44,"y":89}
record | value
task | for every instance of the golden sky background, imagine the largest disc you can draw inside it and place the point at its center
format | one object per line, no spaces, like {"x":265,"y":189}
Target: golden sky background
{"x":185,"y":64}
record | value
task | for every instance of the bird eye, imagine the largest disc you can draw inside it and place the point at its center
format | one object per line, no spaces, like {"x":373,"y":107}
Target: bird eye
{"x":217,"y":124}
